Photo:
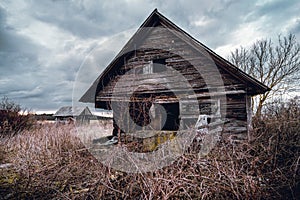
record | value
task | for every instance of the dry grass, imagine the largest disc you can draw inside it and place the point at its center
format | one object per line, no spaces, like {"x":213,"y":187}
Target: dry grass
{"x":52,"y":163}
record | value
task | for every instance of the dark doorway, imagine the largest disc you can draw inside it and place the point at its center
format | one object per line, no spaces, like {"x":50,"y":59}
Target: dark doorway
{"x":151,"y":114}
{"x":172,"y":122}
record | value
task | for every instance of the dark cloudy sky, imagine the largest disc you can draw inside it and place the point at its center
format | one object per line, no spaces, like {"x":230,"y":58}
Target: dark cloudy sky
{"x":43,"y":44}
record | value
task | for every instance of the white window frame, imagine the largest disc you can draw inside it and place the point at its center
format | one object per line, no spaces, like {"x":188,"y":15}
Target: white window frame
{"x":148,"y":69}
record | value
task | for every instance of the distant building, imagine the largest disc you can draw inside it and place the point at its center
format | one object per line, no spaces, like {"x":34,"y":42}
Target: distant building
{"x":80,"y":115}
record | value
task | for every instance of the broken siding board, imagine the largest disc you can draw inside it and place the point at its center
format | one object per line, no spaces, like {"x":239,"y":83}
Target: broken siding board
{"x":190,"y":93}
{"x":201,"y":95}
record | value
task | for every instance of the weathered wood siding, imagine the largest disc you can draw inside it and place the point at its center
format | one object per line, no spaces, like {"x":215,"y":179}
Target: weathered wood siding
{"x":236,"y":115}
{"x":181,"y":57}
{"x":183,"y":62}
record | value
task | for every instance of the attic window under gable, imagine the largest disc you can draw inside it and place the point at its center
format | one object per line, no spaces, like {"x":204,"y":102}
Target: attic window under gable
{"x":155,"y":66}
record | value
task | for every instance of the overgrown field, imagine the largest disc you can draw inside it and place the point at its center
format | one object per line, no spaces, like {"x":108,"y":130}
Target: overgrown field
{"x":50,"y":162}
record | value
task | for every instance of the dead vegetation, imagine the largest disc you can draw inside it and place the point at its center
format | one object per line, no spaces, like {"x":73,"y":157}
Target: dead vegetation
{"x":52,"y":163}
{"x":13,"y":118}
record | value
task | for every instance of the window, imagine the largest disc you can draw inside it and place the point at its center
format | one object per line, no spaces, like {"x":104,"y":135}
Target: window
{"x":155,"y":66}
{"x":148,"y":69}
{"x":210,"y":107}
{"x":159,"y":65}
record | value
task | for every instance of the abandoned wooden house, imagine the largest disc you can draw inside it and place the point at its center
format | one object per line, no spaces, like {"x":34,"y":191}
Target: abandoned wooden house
{"x":79,"y":115}
{"x":164,"y":69}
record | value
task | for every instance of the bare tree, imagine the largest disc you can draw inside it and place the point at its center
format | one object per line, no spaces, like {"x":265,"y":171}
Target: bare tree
{"x":277,"y":66}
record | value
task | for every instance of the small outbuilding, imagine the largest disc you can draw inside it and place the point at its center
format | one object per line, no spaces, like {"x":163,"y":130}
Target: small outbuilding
{"x":80,"y":115}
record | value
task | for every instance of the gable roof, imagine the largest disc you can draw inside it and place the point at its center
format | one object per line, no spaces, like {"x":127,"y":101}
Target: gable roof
{"x":68,"y":111}
{"x":157,"y":18}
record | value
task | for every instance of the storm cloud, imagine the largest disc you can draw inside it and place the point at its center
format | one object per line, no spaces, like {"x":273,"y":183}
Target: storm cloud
{"x":45,"y":44}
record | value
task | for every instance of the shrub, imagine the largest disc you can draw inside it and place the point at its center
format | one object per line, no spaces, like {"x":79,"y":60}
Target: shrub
{"x":276,"y":146}
{"x":12,"y":118}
